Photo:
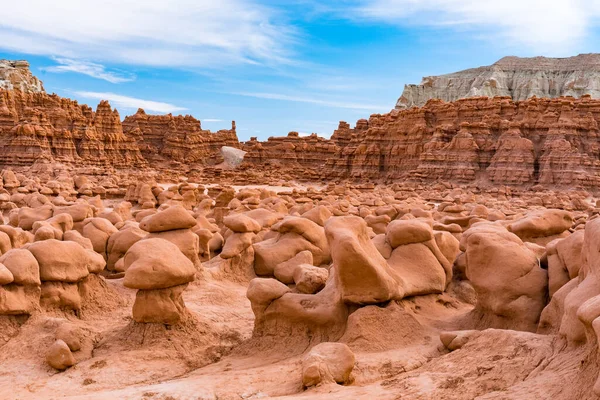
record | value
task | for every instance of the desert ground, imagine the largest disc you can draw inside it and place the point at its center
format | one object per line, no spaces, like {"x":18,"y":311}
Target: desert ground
{"x":189,"y":291}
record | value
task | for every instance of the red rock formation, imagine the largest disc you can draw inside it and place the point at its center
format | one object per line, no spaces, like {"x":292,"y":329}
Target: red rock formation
{"x":168,"y":137}
{"x":306,"y":156}
{"x":547,"y":141}
{"x":486,"y":140}
{"x":38,"y":126}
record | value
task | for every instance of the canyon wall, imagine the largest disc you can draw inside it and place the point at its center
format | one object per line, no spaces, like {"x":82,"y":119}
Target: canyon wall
{"x":519,"y":78}
{"x":38,"y":127}
{"x":177,"y":139}
{"x":553,"y":142}
{"x":41,"y":127}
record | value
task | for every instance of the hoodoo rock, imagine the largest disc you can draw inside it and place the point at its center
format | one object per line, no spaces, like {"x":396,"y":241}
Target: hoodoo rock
{"x":160,"y":272}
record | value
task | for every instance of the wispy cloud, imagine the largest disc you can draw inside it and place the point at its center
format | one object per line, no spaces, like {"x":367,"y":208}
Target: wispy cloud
{"x":177,"y":33}
{"x":550,"y":27}
{"x":131,"y":102}
{"x":94,"y":70}
{"x":311,"y":100}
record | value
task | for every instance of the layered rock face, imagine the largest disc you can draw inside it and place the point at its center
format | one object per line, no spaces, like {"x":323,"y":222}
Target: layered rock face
{"x":495,"y":140}
{"x":35,"y":126}
{"x":168,"y":137}
{"x":38,"y":126}
{"x":519,"y":78}
{"x":16,"y":75}
{"x":306,"y":155}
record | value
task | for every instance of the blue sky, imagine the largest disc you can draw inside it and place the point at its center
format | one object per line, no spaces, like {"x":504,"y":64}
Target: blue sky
{"x":276,"y":66}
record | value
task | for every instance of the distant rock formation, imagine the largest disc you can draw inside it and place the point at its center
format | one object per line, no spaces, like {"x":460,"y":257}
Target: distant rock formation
{"x":519,"y":78}
{"x":480,"y":140}
{"x":37,"y":127}
{"x":553,"y":142}
{"x":177,"y":138}
{"x":16,"y":75}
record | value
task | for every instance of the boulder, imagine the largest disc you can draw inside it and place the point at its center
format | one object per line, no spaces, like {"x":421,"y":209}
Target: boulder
{"x":328,"y":363}
{"x":23,"y":266}
{"x":174,"y":217}
{"x":61,"y":261}
{"x":59,"y":356}
{"x":310,"y":279}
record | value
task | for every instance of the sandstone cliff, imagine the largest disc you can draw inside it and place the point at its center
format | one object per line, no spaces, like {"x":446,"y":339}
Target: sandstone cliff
{"x":178,"y":138}
{"x":16,"y":75}
{"x":519,"y":78}
{"x":553,"y":142}
{"x":37,"y":126}
{"x":495,"y":140}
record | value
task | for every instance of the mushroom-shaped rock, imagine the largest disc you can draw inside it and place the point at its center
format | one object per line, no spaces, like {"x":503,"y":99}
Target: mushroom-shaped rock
{"x":328,"y":363}
{"x":296,"y":234}
{"x":174,"y":217}
{"x":98,"y":230}
{"x":236,"y":244}
{"x":264,"y":290}
{"x":364,"y":274}
{"x":59,"y":356}
{"x":156,"y":264}
{"x":78,"y":212}
{"x":264,"y":217}
{"x":403,"y":232}
{"x":318,"y":215}
{"x":542,"y":226}
{"x":120,"y":242}
{"x":185,"y":239}
{"x":27,"y":216}
{"x":511,"y":286}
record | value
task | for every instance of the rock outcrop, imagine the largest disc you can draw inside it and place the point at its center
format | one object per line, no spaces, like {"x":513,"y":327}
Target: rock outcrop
{"x":496,"y":140}
{"x":490,"y":141}
{"x":519,"y":78}
{"x":37,"y":126}
{"x":16,"y":75}
{"x":177,"y":138}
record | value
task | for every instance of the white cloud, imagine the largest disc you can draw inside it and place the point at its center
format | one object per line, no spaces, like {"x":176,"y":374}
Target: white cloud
{"x":131,"y":102}
{"x":88,"y":68}
{"x":311,"y":100}
{"x":549,"y":27}
{"x":155,"y":32}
